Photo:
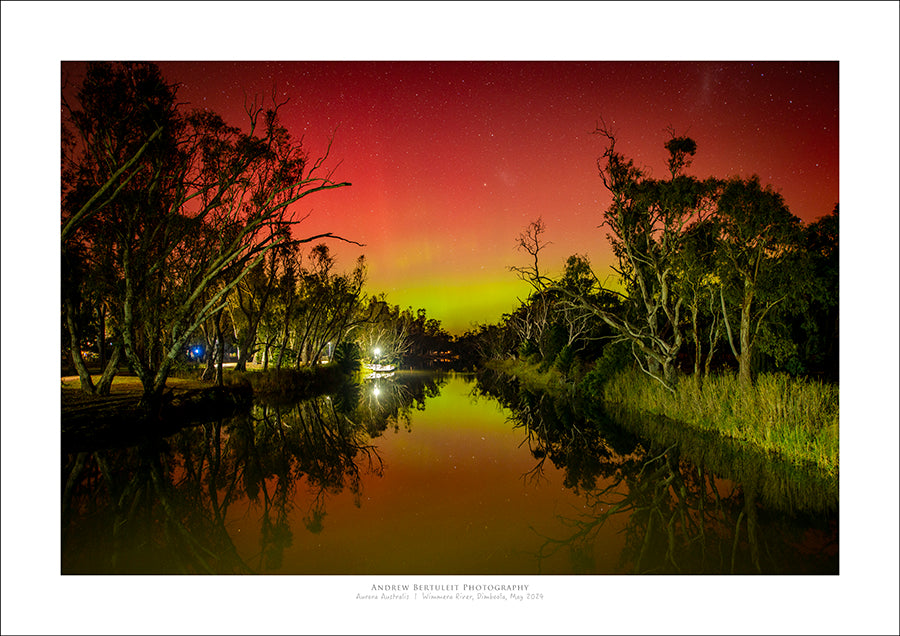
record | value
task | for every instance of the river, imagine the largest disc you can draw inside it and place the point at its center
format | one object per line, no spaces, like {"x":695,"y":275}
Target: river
{"x":440,"y":475}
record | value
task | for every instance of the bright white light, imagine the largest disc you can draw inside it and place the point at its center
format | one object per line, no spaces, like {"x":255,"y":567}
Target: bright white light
{"x":376,"y":391}
{"x":377,"y":351}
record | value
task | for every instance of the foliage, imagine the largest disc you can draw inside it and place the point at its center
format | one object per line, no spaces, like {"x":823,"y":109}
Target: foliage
{"x":291,"y":383}
{"x":699,"y":263}
{"x":347,"y":356}
{"x":532,"y":377}
{"x":616,"y":356}
{"x":564,"y":360}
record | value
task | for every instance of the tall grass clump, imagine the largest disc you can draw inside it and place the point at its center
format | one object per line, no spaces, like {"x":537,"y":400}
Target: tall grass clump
{"x":795,"y":418}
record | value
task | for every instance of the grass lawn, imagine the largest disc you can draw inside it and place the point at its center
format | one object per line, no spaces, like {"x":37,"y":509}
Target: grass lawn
{"x":123,"y":386}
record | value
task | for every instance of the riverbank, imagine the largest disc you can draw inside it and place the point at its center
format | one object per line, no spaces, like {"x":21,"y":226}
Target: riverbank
{"x":119,"y":418}
{"x":794,"y":418}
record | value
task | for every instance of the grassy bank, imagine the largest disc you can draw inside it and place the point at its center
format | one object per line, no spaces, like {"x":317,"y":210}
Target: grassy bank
{"x":794,"y":418}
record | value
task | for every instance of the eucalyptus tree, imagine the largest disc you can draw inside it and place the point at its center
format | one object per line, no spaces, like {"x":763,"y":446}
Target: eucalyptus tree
{"x":549,"y":322}
{"x":276,"y":323}
{"x":821,"y":312}
{"x":328,"y":305}
{"x":580,"y":281}
{"x":647,"y":221}
{"x":698,"y":284}
{"x":188,"y":204}
{"x":757,"y":243}
{"x":107,"y":144}
{"x":249,"y":305}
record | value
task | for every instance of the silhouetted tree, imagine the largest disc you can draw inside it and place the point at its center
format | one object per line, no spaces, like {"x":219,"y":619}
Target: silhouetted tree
{"x":647,"y":221}
{"x":188,"y":204}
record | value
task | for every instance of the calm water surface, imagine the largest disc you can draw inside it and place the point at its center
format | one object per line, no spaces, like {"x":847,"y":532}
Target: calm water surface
{"x":424,"y":474}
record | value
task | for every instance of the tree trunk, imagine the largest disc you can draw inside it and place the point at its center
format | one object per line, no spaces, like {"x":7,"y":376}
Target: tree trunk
{"x":745,"y":372}
{"x":669,"y":373}
{"x":87,"y":384}
{"x":212,"y":348}
{"x":220,"y":353}
{"x":109,"y":371}
{"x":101,"y":338}
{"x":280,"y":359}
{"x":698,"y":349}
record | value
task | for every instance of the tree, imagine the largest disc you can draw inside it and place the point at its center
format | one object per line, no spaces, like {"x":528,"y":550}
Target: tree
{"x":188,"y":204}
{"x":328,"y":305}
{"x":384,"y":328}
{"x":758,"y":235}
{"x":248,"y":306}
{"x":821,"y":324}
{"x":647,"y":221}
{"x":105,"y":148}
{"x":697,"y":283}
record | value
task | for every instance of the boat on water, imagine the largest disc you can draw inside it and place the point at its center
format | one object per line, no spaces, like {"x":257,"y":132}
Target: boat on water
{"x":381,"y":368}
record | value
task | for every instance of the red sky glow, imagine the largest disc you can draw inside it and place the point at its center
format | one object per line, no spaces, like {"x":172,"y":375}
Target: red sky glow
{"x":450,"y":161}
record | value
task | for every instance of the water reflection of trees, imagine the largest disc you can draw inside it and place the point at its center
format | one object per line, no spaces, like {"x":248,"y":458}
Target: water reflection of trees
{"x":174,"y":505}
{"x":554,"y":430}
{"x":687,"y":503}
{"x":130,"y":510}
{"x":387,"y":403}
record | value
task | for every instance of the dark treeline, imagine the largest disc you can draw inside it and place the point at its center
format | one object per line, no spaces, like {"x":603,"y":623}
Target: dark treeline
{"x":180,"y":244}
{"x":712,"y":274}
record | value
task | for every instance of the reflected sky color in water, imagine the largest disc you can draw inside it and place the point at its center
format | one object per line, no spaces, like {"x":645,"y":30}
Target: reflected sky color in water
{"x":433,"y":476}
{"x":452,"y":499}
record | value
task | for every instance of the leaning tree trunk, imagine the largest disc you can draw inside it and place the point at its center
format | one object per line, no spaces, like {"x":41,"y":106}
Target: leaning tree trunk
{"x":87,"y":384}
{"x":109,"y":371}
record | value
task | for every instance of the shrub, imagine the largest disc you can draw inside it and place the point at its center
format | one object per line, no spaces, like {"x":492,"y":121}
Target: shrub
{"x":564,"y":360}
{"x":616,"y":357}
{"x":348,"y":356}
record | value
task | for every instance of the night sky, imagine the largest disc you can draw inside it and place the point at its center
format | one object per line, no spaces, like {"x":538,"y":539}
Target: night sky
{"x":450,"y":161}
